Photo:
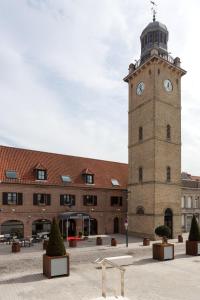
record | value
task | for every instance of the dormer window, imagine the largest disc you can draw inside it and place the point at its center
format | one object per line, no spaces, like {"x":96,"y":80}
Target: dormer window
{"x":88,"y":176}
{"x":41,"y":174}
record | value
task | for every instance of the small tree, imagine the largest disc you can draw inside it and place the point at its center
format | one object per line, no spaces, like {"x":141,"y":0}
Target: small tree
{"x":55,"y":245}
{"x":163,"y":231}
{"x":194,"y":230}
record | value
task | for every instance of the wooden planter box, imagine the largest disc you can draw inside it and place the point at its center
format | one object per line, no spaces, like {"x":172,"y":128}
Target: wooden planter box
{"x":193,"y":247}
{"x":16,"y":247}
{"x":146,"y":242}
{"x":113,"y":242}
{"x":45,"y":243}
{"x":163,"y":251}
{"x":99,"y":241}
{"x":55,"y":265}
{"x":72,"y":243}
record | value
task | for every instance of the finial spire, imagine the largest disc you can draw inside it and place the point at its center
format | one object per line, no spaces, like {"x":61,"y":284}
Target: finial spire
{"x":153,"y":9}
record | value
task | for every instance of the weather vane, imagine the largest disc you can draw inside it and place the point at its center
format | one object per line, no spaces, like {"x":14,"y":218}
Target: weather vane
{"x":153,"y":9}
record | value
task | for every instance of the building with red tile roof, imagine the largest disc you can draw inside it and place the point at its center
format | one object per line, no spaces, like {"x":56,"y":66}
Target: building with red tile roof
{"x":36,"y":186}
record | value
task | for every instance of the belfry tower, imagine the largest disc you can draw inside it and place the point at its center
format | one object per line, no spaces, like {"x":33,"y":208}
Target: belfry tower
{"x":154,"y":193}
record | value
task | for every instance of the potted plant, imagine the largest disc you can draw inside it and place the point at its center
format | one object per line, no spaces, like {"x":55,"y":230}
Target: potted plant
{"x":56,"y":260}
{"x":113,"y":242}
{"x":180,"y":238}
{"x":146,"y":241}
{"x":72,"y":242}
{"x":193,"y":242}
{"x":16,"y":247}
{"x":80,"y":234}
{"x":164,"y":250}
{"x":99,"y":241}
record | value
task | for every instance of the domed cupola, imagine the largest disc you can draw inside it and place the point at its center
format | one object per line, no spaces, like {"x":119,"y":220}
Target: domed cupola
{"x":154,"y":36}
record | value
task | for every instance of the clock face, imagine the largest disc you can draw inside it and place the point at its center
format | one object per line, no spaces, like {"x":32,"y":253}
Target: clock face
{"x":140,"y":88}
{"x":168,"y":85}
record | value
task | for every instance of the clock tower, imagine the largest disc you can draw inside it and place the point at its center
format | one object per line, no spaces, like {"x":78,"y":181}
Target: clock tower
{"x":154,"y":191}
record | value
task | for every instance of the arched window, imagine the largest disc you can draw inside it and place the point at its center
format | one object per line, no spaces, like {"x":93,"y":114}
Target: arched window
{"x":168,"y":174}
{"x":13,"y":228}
{"x":161,"y":37}
{"x":140,"y":133}
{"x":140,"y":210}
{"x":168,"y":132}
{"x":140,"y":174}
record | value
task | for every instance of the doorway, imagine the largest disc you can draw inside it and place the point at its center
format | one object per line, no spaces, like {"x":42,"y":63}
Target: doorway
{"x":93,"y":226}
{"x":168,"y":220}
{"x":71,"y":227}
{"x":116,"y":225}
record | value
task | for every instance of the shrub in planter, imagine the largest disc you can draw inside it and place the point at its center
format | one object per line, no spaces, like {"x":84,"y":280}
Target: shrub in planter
{"x":164,"y":232}
{"x":164,"y":250}
{"x":193,"y":243}
{"x":56,"y":260}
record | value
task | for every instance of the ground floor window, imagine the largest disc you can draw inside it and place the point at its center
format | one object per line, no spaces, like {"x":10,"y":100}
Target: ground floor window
{"x":188,"y":223}
{"x":183,"y":220}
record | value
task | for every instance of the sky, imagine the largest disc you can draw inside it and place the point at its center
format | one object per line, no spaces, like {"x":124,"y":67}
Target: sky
{"x":62,"y":64}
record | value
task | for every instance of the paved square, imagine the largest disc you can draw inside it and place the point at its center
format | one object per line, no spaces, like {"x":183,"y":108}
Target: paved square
{"x":21,"y":274}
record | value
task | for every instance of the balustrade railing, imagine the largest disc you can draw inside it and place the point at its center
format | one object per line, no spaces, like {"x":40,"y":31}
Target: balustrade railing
{"x":167,"y":57}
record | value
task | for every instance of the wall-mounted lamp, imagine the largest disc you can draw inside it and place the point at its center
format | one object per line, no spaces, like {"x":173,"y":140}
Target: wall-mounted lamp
{"x":43,"y":209}
{"x":13,"y":209}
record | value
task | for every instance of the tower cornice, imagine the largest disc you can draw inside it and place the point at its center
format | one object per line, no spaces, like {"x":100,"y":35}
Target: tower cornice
{"x":168,"y":61}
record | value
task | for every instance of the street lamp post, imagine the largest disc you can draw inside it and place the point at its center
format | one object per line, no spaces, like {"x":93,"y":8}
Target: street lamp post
{"x":126,"y":228}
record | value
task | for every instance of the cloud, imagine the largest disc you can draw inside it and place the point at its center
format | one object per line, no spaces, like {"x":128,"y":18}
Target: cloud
{"x":62,"y":64}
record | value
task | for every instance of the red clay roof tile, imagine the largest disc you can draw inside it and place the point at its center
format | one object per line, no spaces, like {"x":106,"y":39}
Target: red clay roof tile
{"x":24,"y":161}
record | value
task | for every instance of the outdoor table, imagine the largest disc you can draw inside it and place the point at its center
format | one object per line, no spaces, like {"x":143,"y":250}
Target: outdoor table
{"x":25,"y":243}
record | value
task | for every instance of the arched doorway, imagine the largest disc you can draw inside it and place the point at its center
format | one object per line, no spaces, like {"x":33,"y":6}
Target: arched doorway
{"x":41,"y":225}
{"x":116,"y":225}
{"x":13,"y":227}
{"x":168,"y":220}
